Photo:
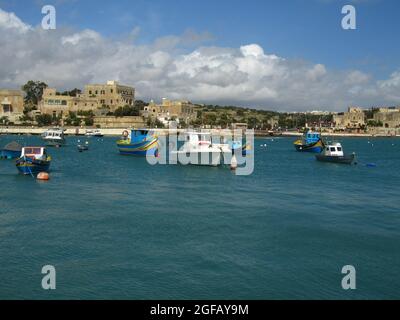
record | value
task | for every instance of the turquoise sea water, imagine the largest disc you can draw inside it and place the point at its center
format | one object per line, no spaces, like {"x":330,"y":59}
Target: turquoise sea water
{"x":115,"y":227}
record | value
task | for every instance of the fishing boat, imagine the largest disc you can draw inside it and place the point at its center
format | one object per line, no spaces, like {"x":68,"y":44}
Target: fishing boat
{"x":334,"y":153}
{"x":33,"y":160}
{"x":11,"y":151}
{"x":311,"y":142}
{"x":94,"y":133}
{"x":138,"y":142}
{"x":54,"y":137}
{"x":199,"y":149}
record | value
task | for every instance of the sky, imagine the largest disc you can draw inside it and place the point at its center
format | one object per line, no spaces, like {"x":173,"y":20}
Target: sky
{"x":281,"y":55}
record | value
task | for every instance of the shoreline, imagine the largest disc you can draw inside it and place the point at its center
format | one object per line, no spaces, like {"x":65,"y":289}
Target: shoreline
{"x":112,"y":132}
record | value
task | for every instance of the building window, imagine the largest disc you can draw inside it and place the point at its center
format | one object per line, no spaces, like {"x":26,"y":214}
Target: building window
{"x":112,"y":91}
{"x":90,"y":91}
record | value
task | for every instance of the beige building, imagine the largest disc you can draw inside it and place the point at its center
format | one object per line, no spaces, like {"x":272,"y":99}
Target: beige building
{"x":354,"y":118}
{"x":170,"y":110}
{"x":59,"y":105}
{"x":111,"y":95}
{"x":389,"y":117}
{"x":95,"y":97}
{"x":11,"y":104}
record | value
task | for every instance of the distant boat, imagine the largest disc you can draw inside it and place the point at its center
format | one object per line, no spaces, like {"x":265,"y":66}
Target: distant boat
{"x":334,"y":153}
{"x":83,"y":147}
{"x":138,"y":142}
{"x":11,"y":151}
{"x":311,"y":142}
{"x":94,"y":133}
{"x":33,"y":160}
{"x":54,"y":137}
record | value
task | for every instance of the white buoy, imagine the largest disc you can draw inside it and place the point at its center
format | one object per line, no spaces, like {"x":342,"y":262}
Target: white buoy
{"x":234,"y":163}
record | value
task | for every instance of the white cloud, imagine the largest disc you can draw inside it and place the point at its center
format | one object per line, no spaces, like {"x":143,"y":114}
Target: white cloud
{"x":247,"y":75}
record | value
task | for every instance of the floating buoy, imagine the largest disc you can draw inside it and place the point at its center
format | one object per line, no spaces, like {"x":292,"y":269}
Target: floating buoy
{"x":234,"y":163}
{"x":44,"y":176}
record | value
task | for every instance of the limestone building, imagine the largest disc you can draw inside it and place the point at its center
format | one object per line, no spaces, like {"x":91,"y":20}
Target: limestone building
{"x":171,"y":110}
{"x":108,"y":96}
{"x":60,"y":105}
{"x":389,"y":117}
{"x":111,"y":95}
{"x":354,"y":118}
{"x":11,"y":104}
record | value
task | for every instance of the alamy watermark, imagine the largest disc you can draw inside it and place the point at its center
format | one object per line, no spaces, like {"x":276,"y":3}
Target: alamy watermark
{"x":49,"y":20}
{"x":349,"y":21}
{"x":209,"y":148}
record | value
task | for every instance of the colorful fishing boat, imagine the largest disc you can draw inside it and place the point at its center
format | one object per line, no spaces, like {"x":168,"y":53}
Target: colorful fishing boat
{"x":11,"y":151}
{"x":33,"y":160}
{"x":138,"y":142}
{"x":311,"y":142}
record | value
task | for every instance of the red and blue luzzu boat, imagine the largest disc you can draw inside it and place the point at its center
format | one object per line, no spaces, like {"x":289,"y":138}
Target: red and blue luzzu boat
{"x":33,"y":160}
{"x":138,"y":142}
{"x":311,"y":142}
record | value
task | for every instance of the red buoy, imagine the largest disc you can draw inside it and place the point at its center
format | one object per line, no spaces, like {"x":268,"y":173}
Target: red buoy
{"x":43,"y":176}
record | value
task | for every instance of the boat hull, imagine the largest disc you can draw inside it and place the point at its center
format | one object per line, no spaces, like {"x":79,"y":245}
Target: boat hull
{"x":29,"y":167}
{"x":336,"y":159}
{"x":54,"y":143}
{"x":315,"y":147}
{"x":142,"y":149}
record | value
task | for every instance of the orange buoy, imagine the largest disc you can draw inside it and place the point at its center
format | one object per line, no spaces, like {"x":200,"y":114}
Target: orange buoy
{"x":43,"y":176}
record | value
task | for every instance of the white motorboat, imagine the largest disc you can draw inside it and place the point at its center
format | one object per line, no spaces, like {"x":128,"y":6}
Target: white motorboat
{"x":54,"y":137}
{"x":198,"y":149}
{"x":94,"y":133}
{"x":333,"y":152}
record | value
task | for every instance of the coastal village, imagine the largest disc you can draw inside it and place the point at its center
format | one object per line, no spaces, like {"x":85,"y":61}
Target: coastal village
{"x":113,"y":106}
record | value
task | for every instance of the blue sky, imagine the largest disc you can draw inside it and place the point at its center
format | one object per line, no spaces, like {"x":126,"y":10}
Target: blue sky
{"x":306,"y":30}
{"x":303,"y":29}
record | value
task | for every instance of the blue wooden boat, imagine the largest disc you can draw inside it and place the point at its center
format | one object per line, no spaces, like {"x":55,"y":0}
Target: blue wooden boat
{"x":11,"y":151}
{"x":138,"y":142}
{"x":311,"y":142}
{"x":33,"y":160}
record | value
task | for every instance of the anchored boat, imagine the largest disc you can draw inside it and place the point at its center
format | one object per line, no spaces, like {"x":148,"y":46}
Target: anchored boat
{"x":94,"y":133}
{"x":11,"y":151}
{"x":54,"y":137}
{"x":311,"y":142}
{"x":138,"y":142}
{"x":198,"y":149}
{"x":334,"y":153}
{"x":33,"y":160}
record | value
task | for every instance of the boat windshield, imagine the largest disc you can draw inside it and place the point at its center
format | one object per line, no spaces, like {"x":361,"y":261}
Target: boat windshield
{"x":32,"y":151}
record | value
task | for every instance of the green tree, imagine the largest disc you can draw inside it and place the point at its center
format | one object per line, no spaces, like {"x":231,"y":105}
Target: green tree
{"x":44,"y":119}
{"x":33,"y":92}
{"x":127,"y":111}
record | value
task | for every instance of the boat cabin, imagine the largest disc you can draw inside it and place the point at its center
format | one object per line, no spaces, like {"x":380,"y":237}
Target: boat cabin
{"x":53,"y":133}
{"x":198,"y":138}
{"x":37,"y":153}
{"x":138,"y":135}
{"x":334,"y":150}
{"x":312,"y":137}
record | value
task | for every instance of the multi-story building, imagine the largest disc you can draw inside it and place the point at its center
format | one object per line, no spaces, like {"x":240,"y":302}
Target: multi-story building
{"x":95,"y":97}
{"x":388,"y":117}
{"x":11,"y":104}
{"x":354,"y":118}
{"x":171,"y":110}
{"x":111,"y":95}
{"x":59,"y":105}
